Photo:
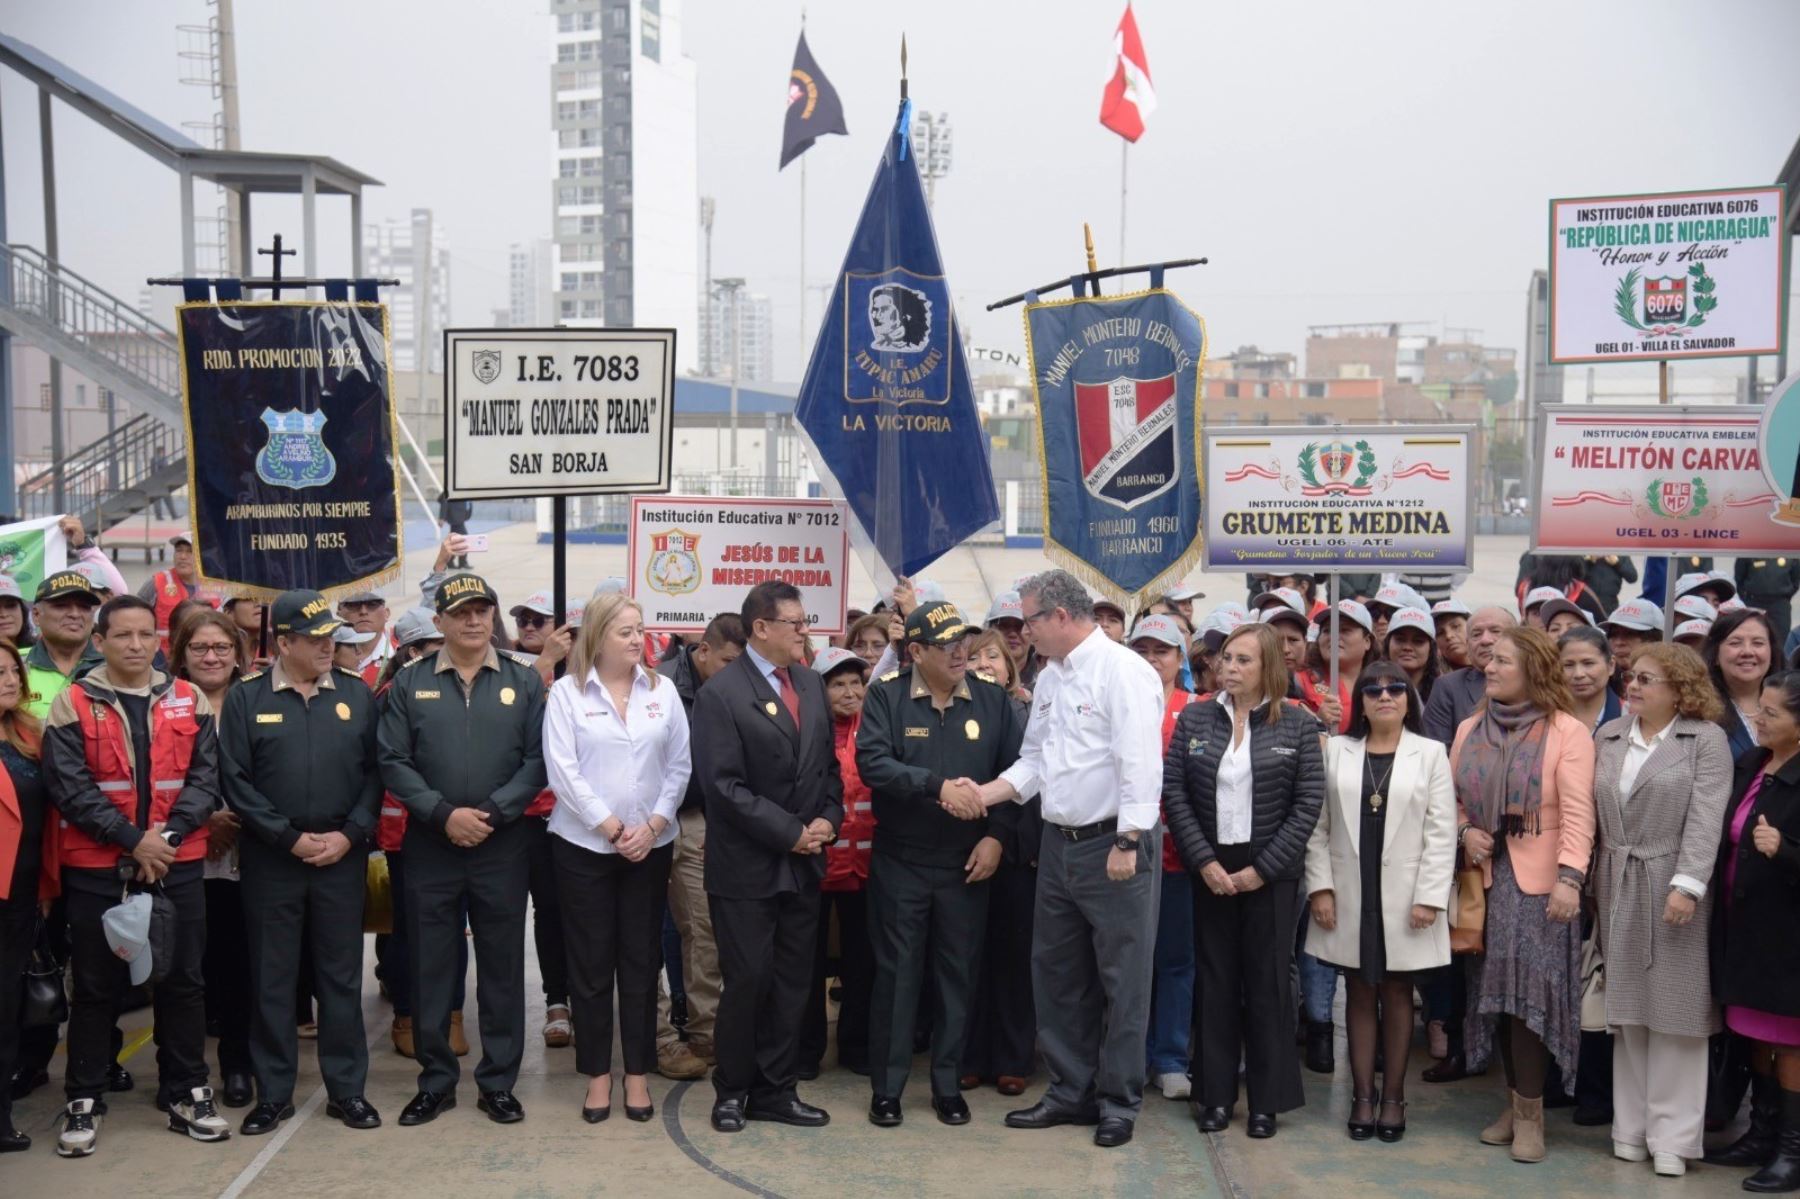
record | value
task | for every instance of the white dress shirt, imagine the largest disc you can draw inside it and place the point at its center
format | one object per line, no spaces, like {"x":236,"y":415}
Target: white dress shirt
{"x":1637,"y":752}
{"x":1093,"y":747}
{"x":1233,"y":793}
{"x":601,"y":766}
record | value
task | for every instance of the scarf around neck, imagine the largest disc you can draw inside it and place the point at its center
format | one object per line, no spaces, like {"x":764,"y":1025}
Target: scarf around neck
{"x":1500,"y":777}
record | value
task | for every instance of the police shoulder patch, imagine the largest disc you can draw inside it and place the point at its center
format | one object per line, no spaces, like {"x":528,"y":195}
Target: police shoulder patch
{"x":889,"y":677}
{"x":521,"y":659}
{"x":347,"y":672}
{"x":253,"y":676}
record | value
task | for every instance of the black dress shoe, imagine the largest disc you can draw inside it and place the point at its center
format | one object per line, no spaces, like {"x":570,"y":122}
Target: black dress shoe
{"x":1212,"y":1119}
{"x":355,"y":1112}
{"x":593,"y":1115}
{"x":807,"y":1072}
{"x":1113,"y":1132}
{"x":1590,"y":1115}
{"x":641,"y":1114}
{"x":727,"y":1115}
{"x":238,"y":1091}
{"x":426,"y":1106}
{"x":1260,"y":1125}
{"x":24,"y":1082}
{"x":950,"y":1109}
{"x":1043,"y":1115}
{"x":118,"y":1078}
{"x":265,"y":1117}
{"x":789,"y":1110}
{"x":500,"y":1107}
{"x":14,"y":1141}
{"x":884,"y":1113}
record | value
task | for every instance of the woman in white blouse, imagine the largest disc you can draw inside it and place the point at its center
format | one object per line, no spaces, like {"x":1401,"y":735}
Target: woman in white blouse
{"x":616,"y":745}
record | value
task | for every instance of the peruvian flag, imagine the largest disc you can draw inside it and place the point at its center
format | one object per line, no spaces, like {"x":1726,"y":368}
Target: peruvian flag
{"x":1129,"y":98}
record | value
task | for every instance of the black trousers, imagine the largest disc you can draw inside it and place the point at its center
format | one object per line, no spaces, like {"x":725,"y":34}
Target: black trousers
{"x":18,"y":930}
{"x":226,"y":968}
{"x":922,"y":917}
{"x":766,"y":949}
{"x":547,"y":913}
{"x":855,"y":970}
{"x":1243,"y":996}
{"x":101,"y":981}
{"x":490,"y":882}
{"x":613,"y":911}
{"x":398,"y":975}
{"x":1003,"y":1022}
{"x":289,"y":906}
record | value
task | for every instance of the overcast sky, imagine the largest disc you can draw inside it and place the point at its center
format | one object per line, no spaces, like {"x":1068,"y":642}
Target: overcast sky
{"x":1337,"y":162}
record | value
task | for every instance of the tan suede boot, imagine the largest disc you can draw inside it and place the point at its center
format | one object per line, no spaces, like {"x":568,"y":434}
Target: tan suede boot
{"x":1528,"y":1129}
{"x":403,"y":1036}
{"x":459,"y":1044}
{"x":1500,"y":1132}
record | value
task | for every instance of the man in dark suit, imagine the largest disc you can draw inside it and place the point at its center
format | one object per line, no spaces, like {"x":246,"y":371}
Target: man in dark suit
{"x":764,"y":756}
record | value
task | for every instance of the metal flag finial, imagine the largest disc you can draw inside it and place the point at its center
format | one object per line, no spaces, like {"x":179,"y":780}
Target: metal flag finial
{"x":903,"y":66}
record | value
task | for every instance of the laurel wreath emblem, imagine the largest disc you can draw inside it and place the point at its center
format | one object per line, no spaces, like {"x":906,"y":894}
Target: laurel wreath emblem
{"x":1654,"y":497}
{"x":1365,"y":464}
{"x":1625,"y":298}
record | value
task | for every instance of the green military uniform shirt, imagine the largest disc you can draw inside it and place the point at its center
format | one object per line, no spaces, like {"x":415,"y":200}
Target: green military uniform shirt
{"x":907,"y":747}
{"x":289,"y":765}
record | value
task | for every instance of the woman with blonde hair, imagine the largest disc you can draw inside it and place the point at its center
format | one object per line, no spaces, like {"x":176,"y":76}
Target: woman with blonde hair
{"x":1661,"y":782}
{"x":616,"y":746}
{"x":1524,"y":773}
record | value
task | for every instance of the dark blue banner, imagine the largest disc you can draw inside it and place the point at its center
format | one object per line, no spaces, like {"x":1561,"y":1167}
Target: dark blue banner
{"x":886,"y":402}
{"x":1117,"y":382}
{"x":292,"y":475}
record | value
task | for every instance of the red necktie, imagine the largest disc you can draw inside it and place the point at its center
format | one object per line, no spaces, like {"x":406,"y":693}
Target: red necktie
{"x":789,"y":696}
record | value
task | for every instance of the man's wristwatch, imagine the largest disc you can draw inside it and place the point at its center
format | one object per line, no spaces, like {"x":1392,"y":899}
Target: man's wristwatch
{"x":173,"y":838}
{"x":1125,"y":842}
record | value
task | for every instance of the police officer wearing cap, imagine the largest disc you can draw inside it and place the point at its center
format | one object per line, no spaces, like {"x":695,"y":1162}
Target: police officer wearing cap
{"x":63,"y":610}
{"x":927,"y":730}
{"x":297,"y":761}
{"x":1769,"y":584}
{"x":461,"y":745}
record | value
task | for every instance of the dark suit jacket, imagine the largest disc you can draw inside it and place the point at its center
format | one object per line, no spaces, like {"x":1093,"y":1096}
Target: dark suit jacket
{"x":764,"y":780}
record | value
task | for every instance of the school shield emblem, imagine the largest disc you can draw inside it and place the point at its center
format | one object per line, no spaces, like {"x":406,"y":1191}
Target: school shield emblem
{"x":673,"y":568}
{"x":1665,"y":299}
{"x":1126,"y":432}
{"x":1677,"y":498}
{"x":295,"y":455}
{"x":486,"y":365}
{"x":1336,"y":459}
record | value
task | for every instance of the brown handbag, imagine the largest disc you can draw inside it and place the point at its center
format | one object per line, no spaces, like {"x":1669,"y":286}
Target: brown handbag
{"x":1468,"y":910}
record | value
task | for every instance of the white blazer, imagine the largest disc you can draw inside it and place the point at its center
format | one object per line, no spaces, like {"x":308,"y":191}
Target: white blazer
{"x":1418,"y":853}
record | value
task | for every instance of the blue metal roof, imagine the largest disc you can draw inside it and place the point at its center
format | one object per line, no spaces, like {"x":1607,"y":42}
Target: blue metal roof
{"x":712,"y":397}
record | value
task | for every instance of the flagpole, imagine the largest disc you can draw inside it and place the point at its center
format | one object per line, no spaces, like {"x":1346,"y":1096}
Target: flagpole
{"x":802,"y":259}
{"x":1124,"y":149}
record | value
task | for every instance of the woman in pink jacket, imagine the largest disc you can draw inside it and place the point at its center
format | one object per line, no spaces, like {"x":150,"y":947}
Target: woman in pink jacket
{"x":1524,"y":771}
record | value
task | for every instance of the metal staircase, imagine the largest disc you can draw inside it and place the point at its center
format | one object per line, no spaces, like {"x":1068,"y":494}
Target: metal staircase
{"x":103,"y":337}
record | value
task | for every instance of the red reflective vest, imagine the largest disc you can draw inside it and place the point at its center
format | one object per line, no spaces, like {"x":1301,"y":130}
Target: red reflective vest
{"x":1178,"y":699}
{"x":170,"y":591}
{"x":847,"y":858}
{"x":390,"y":825}
{"x":109,"y":760}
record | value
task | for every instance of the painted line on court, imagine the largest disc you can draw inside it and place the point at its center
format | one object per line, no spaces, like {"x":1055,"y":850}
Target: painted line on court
{"x":672,"y":1125}
{"x":1227,"y":1184}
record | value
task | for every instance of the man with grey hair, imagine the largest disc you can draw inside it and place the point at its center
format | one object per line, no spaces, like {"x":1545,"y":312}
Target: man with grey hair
{"x":1455,"y":696}
{"x":1093,"y":751}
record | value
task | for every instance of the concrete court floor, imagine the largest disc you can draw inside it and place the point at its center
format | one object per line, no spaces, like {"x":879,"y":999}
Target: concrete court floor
{"x":553,"y":1153}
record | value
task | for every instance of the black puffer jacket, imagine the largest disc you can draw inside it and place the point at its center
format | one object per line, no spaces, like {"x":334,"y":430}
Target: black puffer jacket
{"x":1287,"y":770}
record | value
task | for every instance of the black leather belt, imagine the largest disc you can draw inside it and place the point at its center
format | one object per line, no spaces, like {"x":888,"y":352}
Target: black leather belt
{"x":1082,"y":832}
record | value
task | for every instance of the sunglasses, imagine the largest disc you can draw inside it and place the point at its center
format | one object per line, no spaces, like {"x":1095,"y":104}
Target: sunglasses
{"x":1646,"y":680}
{"x":1377,"y":690}
{"x":532,"y":620}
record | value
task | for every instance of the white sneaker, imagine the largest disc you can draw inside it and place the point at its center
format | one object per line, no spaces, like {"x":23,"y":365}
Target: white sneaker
{"x":80,"y":1130}
{"x":1174,"y":1086}
{"x":1630,"y":1153}
{"x":1670,"y":1165}
{"x":198,"y":1117}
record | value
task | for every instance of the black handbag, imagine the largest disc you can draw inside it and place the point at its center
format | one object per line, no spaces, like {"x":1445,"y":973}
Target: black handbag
{"x":45,"y":1004}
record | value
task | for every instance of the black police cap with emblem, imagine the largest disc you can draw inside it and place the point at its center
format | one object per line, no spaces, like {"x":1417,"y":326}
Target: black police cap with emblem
{"x":937,"y":624}
{"x":460,"y":589}
{"x":66,"y":584}
{"x":306,"y":613}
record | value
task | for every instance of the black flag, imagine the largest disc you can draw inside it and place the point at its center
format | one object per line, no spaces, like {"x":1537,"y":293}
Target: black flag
{"x":813,"y":108}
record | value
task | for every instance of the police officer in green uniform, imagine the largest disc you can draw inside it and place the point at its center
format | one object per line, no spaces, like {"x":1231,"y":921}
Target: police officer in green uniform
{"x":297,"y":760}
{"x":1769,"y":584}
{"x":461,"y":745}
{"x":927,"y":730}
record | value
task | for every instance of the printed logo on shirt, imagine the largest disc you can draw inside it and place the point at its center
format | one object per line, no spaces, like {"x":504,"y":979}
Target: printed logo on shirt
{"x":1286,"y":751}
{"x":653,"y":710}
{"x":174,"y":703}
{"x":1043,"y":707}
{"x":1196,"y":747}
{"x":1086,"y":709}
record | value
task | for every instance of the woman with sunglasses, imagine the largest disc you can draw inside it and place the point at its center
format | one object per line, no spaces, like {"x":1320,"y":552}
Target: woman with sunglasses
{"x":1661,"y":781}
{"x":1378,"y":870}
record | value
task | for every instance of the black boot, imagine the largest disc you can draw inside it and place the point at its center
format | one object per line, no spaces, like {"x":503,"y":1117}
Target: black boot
{"x":1318,"y":1047}
{"x":1757,"y":1146}
{"x":1782,"y":1174}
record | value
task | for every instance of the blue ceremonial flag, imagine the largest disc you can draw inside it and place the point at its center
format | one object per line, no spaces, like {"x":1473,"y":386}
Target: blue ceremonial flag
{"x":886,"y":403}
{"x":1117,"y":384}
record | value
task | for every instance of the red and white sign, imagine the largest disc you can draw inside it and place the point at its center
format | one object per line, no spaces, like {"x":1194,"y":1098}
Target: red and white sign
{"x":693,"y":557}
{"x":1655,"y":480}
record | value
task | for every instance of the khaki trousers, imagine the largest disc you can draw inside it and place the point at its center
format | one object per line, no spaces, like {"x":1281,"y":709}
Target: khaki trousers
{"x":699,"y":952}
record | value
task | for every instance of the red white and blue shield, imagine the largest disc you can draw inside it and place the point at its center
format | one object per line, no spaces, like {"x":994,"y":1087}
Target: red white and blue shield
{"x":1677,"y":498}
{"x":1336,"y":459}
{"x":1126,"y":432}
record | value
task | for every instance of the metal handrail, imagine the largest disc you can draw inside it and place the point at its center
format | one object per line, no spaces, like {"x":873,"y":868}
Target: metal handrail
{"x":82,"y":310}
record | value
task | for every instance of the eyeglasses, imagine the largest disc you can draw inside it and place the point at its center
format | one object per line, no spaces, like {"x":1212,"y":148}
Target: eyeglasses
{"x":531,"y":620}
{"x":800,"y":623}
{"x":1376,"y":690}
{"x":1039,"y":615}
{"x":216,"y":650}
{"x":1645,"y":680}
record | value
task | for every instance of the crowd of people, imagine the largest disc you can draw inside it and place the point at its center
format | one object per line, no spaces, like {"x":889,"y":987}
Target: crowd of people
{"x":1125,"y":850}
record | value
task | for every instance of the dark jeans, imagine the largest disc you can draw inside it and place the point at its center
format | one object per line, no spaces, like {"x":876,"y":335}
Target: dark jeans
{"x":101,"y":981}
{"x":227,"y":971}
{"x":546,"y":913}
{"x":614,"y":911}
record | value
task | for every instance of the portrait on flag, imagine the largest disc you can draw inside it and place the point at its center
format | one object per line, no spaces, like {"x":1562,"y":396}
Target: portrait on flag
{"x":292,"y":474}
{"x":1117,"y":385}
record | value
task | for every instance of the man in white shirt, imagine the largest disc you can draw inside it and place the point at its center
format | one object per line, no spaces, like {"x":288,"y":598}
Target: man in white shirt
{"x":1093,"y":750}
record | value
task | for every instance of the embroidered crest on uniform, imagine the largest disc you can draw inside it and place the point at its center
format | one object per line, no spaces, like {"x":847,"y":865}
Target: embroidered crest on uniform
{"x":972,"y":730}
{"x":507,"y":695}
{"x":343,"y":711}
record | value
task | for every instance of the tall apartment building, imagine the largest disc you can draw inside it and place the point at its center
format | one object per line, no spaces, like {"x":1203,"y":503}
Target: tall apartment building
{"x":625,"y":183}
{"x":531,"y":278}
{"x":756,"y":334}
{"x":412,"y":251}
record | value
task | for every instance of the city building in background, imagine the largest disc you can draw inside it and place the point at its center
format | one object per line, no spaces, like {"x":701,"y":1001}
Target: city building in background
{"x":412,"y":251}
{"x":625,"y":175}
{"x":756,"y":336}
{"x":531,"y":280}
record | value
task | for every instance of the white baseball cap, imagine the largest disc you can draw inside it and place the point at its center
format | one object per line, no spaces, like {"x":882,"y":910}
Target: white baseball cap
{"x":1351,"y":610}
{"x":1159,"y":628}
{"x":832,"y":658}
{"x":1285,"y":596}
{"x":1397,"y":596}
{"x":606,"y":586}
{"x":928,"y":591}
{"x":1639,"y":615}
{"x":1709,"y":578}
{"x":538,"y":602}
{"x":1417,"y":619}
{"x":1697,"y":629}
{"x":1185,"y":593}
{"x":1540,"y":595}
{"x":1732,"y":605}
{"x":1695,"y":607}
{"x":1451,"y":607}
{"x":1006,"y":606}
{"x":127,"y":928}
{"x":9,"y":587}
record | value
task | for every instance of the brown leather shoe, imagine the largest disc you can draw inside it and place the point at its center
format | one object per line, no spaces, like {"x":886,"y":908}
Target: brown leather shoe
{"x":703,"y":1049}
{"x":459,"y":1044}
{"x":403,"y":1036}
{"x":1010,"y":1084}
{"x":968,"y":1082}
{"x":678,"y":1063}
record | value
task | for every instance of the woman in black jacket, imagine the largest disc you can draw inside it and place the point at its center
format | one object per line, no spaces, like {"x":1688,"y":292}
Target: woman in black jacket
{"x":1242,"y":787}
